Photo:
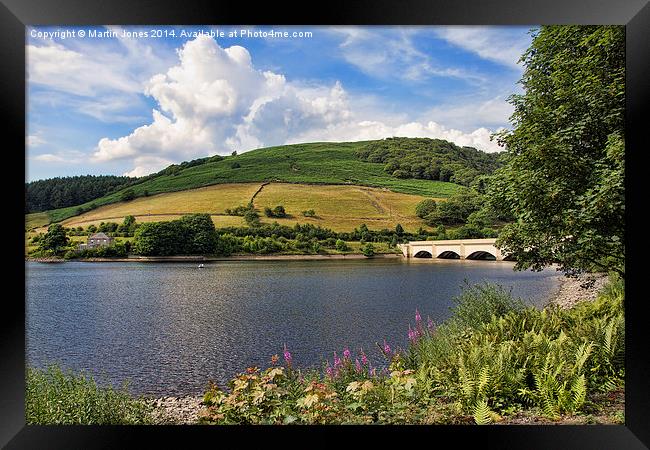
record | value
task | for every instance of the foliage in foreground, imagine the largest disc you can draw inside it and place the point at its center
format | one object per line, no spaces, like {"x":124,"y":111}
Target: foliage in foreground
{"x":495,"y":357}
{"x":54,"y":397}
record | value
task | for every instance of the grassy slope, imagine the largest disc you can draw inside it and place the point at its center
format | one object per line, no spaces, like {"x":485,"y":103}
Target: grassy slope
{"x":317,"y":163}
{"x":340,"y":208}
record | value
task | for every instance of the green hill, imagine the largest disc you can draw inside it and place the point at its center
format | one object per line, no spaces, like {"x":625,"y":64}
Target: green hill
{"x":313,"y":163}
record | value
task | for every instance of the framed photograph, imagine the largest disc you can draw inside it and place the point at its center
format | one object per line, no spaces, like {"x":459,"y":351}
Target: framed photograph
{"x":405,"y":214}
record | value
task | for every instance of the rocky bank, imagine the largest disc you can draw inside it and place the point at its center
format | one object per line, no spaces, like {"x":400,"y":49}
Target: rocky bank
{"x":583,"y":288}
{"x":177,"y":410}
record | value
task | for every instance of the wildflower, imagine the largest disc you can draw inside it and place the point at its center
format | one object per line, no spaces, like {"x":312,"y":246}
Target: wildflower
{"x":346,"y":353}
{"x":386,"y":348}
{"x":274,"y":359}
{"x":287,"y":356}
{"x":430,"y":324}
{"x":329,"y":371}
{"x":418,"y":318}
{"x":357,"y":365}
{"x":364,"y":358}
{"x":337,"y":361}
{"x":413,"y":335}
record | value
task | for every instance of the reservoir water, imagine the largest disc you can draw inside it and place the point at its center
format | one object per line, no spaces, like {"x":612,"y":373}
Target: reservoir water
{"x":168,"y":328}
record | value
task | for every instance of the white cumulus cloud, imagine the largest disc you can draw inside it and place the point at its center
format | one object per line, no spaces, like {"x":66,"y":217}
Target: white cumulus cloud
{"x":214,"y":100}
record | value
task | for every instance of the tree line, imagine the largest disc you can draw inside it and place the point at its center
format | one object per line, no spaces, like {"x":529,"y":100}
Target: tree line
{"x":430,"y":159}
{"x":61,"y":192}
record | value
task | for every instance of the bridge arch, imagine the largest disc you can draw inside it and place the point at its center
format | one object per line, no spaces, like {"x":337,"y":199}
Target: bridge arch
{"x":483,"y":255}
{"x":423,"y":254}
{"x":448,"y":254}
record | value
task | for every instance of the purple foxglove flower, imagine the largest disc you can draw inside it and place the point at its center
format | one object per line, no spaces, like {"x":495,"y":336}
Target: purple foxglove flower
{"x":412,"y":334}
{"x":364,"y":358}
{"x":357,"y":365}
{"x":386,"y":348}
{"x":287,"y":356}
{"x":337,"y":361}
{"x":430,"y":324}
{"x":346,"y":353}
{"x":418,"y":318}
{"x":329,"y":371}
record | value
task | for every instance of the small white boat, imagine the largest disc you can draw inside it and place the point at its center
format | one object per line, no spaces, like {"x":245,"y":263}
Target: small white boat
{"x":201,"y":266}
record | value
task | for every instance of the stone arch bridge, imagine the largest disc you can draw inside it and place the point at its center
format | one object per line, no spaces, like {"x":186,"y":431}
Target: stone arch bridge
{"x":454,"y":249}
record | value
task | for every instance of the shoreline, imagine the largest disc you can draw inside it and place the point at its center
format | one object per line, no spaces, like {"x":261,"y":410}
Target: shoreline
{"x":218,"y":258}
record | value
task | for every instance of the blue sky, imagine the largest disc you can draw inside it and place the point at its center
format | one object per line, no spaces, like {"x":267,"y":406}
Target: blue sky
{"x":125,"y":104}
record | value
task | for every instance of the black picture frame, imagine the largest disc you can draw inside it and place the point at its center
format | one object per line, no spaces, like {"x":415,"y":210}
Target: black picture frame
{"x":15,"y":15}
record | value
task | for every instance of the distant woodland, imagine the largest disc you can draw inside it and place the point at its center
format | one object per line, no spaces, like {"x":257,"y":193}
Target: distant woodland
{"x":60,"y":192}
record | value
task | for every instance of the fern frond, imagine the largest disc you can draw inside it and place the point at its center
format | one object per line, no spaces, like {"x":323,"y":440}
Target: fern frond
{"x":549,"y":409}
{"x":607,"y":343}
{"x":578,"y":392}
{"x":483,"y":380}
{"x":482,"y":413}
{"x":582,"y":354}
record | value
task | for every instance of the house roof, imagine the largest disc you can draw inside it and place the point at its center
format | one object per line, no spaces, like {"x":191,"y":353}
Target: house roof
{"x":99,"y":235}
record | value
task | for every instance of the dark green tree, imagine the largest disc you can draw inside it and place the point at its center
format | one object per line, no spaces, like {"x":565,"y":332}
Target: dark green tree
{"x":425,"y":207}
{"x":456,"y":209}
{"x":200,"y":232}
{"x":564,"y":175}
{"x":55,"y":239}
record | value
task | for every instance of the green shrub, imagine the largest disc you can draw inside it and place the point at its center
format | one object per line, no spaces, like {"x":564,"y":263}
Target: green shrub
{"x":127,"y":195}
{"x":425,"y":207}
{"x":239,"y":210}
{"x":54,"y":397}
{"x":368,"y":250}
{"x":252,"y":218}
{"x":278,"y":211}
{"x":477,"y":304}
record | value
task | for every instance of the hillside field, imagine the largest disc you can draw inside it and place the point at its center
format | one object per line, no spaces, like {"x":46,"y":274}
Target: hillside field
{"x":341,"y":208}
{"x":316,"y":163}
